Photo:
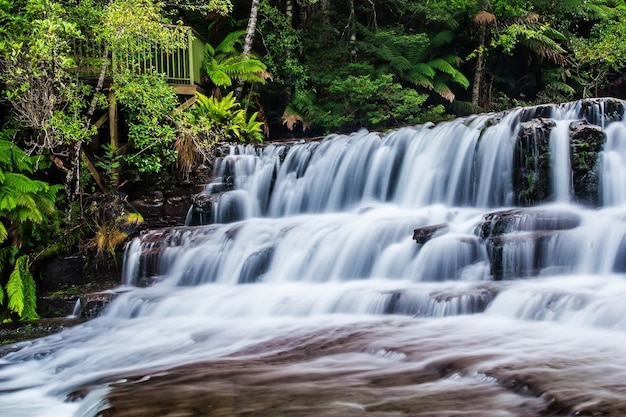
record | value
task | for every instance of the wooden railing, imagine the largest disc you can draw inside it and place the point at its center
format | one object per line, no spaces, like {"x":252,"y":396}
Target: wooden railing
{"x":182,"y":66}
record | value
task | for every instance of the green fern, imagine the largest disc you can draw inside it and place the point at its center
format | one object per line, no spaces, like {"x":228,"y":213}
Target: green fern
{"x":21,"y":291}
{"x":224,"y":64}
{"x":416,"y":58}
{"x":24,"y":202}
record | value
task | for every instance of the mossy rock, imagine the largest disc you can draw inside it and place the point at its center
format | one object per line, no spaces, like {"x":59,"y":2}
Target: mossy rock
{"x":586,"y":141}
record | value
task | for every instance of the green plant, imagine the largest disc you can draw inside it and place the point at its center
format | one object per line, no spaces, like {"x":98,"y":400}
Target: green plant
{"x":417,"y":58}
{"x":224,"y":120}
{"x":225,"y":63}
{"x":209,"y":121}
{"x":21,"y":296}
{"x":110,"y":234}
{"x":111,"y":163}
{"x":25,"y":203}
{"x":148,"y":102}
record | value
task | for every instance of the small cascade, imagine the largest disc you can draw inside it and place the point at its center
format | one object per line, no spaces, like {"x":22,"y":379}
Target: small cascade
{"x":372,"y":273}
{"x":560,"y":156}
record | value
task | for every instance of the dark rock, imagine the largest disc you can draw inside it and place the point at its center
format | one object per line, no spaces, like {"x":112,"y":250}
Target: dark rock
{"x":586,"y":141}
{"x":92,"y":305}
{"x":518,"y":255}
{"x":525,"y":220}
{"x":531,"y":163}
{"x":256,"y":265}
{"x":150,"y":205}
{"x":600,"y":111}
{"x":176,"y":204}
{"x":424,"y":234}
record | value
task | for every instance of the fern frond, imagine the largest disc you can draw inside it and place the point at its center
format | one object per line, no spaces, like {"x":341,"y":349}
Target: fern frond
{"x":227,"y":45}
{"x":442,"y":38}
{"x":562,"y":87}
{"x":22,"y":184}
{"x":400,"y":63}
{"x":8,"y":200}
{"x":418,"y":78}
{"x":15,"y":290}
{"x":21,"y":290}
{"x":442,"y":65}
{"x":7,"y":256}
{"x":443,"y":90}
{"x":483,"y":17}
{"x":6,"y":160}
{"x":3,"y":235}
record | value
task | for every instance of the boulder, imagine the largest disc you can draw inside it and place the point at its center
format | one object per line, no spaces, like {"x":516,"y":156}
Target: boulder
{"x":424,"y":234}
{"x":586,"y":141}
{"x":531,"y":163}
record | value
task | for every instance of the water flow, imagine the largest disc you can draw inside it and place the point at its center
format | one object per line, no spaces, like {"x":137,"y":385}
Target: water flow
{"x":561,"y":166}
{"x":383,"y":273}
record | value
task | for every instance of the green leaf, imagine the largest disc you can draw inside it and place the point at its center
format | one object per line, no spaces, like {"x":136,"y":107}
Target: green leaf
{"x":15,"y":290}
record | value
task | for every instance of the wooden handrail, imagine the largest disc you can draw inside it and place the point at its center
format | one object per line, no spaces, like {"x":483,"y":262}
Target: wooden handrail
{"x":182,"y":66}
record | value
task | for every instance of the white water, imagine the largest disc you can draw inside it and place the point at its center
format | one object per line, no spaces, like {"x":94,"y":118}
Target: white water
{"x":326,"y":252}
{"x":562,"y":171}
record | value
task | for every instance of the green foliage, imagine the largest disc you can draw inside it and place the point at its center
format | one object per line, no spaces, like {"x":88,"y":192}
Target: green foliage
{"x":24,"y":204}
{"x":222,"y":119}
{"x":21,"y":291}
{"x":220,"y":7}
{"x":602,"y":55}
{"x":209,"y":121}
{"x":38,"y":71}
{"x":225,"y":63}
{"x":539,"y":38}
{"x":148,"y":102}
{"x":111,"y":163}
{"x":134,"y":26}
{"x":363,"y":98}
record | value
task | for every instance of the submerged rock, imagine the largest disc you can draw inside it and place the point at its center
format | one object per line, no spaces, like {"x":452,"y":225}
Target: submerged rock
{"x":498,"y":223}
{"x":424,"y":234}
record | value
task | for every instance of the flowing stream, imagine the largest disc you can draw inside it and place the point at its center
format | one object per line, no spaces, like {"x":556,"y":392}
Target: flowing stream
{"x":364,"y":275}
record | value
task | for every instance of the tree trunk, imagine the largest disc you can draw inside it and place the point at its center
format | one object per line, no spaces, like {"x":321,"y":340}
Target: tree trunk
{"x":254,"y":11}
{"x":324,"y":6}
{"x":478,"y":74}
{"x":352,"y":32}
{"x":482,"y":19}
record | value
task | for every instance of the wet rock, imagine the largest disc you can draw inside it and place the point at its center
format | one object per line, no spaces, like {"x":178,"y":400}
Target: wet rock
{"x":531,"y":162}
{"x":176,"y":204}
{"x":424,"y":234}
{"x":255,"y":266}
{"x":150,"y":205}
{"x":202,"y":209}
{"x":516,"y":239}
{"x":586,"y":141}
{"x":519,"y":255}
{"x":498,"y":223}
{"x":599,"y":111}
{"x":92,"y":305}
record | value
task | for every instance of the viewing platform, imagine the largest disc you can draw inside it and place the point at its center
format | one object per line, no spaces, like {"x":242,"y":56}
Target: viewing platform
{"x":182,"y":66}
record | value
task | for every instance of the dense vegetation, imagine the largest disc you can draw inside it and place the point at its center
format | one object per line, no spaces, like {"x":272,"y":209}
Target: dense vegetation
{"x":272,"y":68}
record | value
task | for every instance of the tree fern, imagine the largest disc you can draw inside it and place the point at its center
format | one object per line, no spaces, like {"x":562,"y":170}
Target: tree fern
{"x":416,"y":58}
{"x":224,"y":64}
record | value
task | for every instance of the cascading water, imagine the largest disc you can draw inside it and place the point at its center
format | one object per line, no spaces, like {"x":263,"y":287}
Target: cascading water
{"x":367,"y":274}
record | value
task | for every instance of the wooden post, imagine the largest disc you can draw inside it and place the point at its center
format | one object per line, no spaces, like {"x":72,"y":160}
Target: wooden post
{"x":115,"y":175}
{"x":113,"y":119}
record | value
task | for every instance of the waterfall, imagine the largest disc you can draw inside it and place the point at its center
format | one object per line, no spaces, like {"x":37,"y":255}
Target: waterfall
{"x":469,"y":267}
{"x":561,"y":168}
